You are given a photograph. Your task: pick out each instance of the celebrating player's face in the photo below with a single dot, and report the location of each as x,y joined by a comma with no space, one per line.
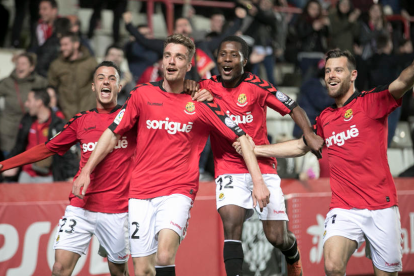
230,62
106,86
338,78
175,62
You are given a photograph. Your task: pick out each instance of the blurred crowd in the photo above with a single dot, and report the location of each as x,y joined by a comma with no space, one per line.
52,78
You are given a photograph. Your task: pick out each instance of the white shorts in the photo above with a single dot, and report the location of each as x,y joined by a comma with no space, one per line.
78,225
381,229
149,216
236,189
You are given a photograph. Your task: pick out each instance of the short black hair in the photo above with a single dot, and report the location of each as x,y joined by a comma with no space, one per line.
244,46
113,46
53,3
62,25
107,63
337,53
41,94
73,37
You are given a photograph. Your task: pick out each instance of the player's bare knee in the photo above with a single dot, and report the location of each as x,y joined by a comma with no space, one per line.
59,270
232,230
164,258
144,271
334,268
278,240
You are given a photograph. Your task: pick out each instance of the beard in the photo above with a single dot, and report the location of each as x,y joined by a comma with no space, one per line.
342,89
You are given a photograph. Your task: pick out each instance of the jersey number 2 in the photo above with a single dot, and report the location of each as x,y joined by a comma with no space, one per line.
136,230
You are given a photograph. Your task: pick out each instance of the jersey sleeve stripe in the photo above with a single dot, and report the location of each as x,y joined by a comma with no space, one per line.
80,114
377,89
253,79
224,118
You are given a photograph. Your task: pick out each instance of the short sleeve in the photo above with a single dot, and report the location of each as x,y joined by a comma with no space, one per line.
317,127
268,95
65,139
128,115
378,102
212,115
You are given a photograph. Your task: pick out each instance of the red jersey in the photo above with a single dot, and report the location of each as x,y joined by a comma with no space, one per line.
38,134
108,189
246,104
173,131
356,139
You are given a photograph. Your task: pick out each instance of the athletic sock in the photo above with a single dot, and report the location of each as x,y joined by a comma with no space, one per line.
233,257
292,254
168,270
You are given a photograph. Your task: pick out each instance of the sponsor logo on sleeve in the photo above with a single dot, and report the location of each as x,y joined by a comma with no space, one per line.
119,117
229,122
348,115
242,100
281,97
190,108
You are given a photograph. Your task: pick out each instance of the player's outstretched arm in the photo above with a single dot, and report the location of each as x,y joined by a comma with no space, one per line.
106,143
260,193
403,83
30,156
314,142
288,149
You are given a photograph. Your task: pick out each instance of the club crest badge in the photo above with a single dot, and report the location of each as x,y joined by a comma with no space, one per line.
190,108
348,115
242,100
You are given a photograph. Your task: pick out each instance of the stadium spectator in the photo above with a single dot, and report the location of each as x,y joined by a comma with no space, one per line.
263,30
48,11
344,26
312,30
36,127
76,29
53,101
116,55
118,7
49,51
15,89
203,61
371,27
313,97
20,10
72,74
139,57
152,73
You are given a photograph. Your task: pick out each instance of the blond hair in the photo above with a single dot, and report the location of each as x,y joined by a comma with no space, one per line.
183,40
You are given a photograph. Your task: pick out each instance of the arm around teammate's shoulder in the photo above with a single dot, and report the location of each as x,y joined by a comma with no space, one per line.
403,83
288,149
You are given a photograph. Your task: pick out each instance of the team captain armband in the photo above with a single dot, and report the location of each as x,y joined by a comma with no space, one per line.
224,118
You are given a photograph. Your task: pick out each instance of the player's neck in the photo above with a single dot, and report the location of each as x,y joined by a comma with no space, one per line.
340,102
43,114
232,83
173,86
105,108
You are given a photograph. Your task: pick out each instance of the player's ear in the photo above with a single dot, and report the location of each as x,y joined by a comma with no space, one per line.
189,66
93,87
354,75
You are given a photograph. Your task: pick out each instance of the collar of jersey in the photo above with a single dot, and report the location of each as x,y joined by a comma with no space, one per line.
117,107
159,84
244,76
353,96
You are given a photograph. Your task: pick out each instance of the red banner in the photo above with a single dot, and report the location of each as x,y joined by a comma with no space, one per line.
29,214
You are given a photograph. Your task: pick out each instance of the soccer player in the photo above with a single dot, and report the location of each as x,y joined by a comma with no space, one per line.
364,203
103,210
172,133
245,98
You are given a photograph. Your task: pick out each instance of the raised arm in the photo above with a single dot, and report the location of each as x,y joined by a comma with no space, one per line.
403,83
155,45
105,145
